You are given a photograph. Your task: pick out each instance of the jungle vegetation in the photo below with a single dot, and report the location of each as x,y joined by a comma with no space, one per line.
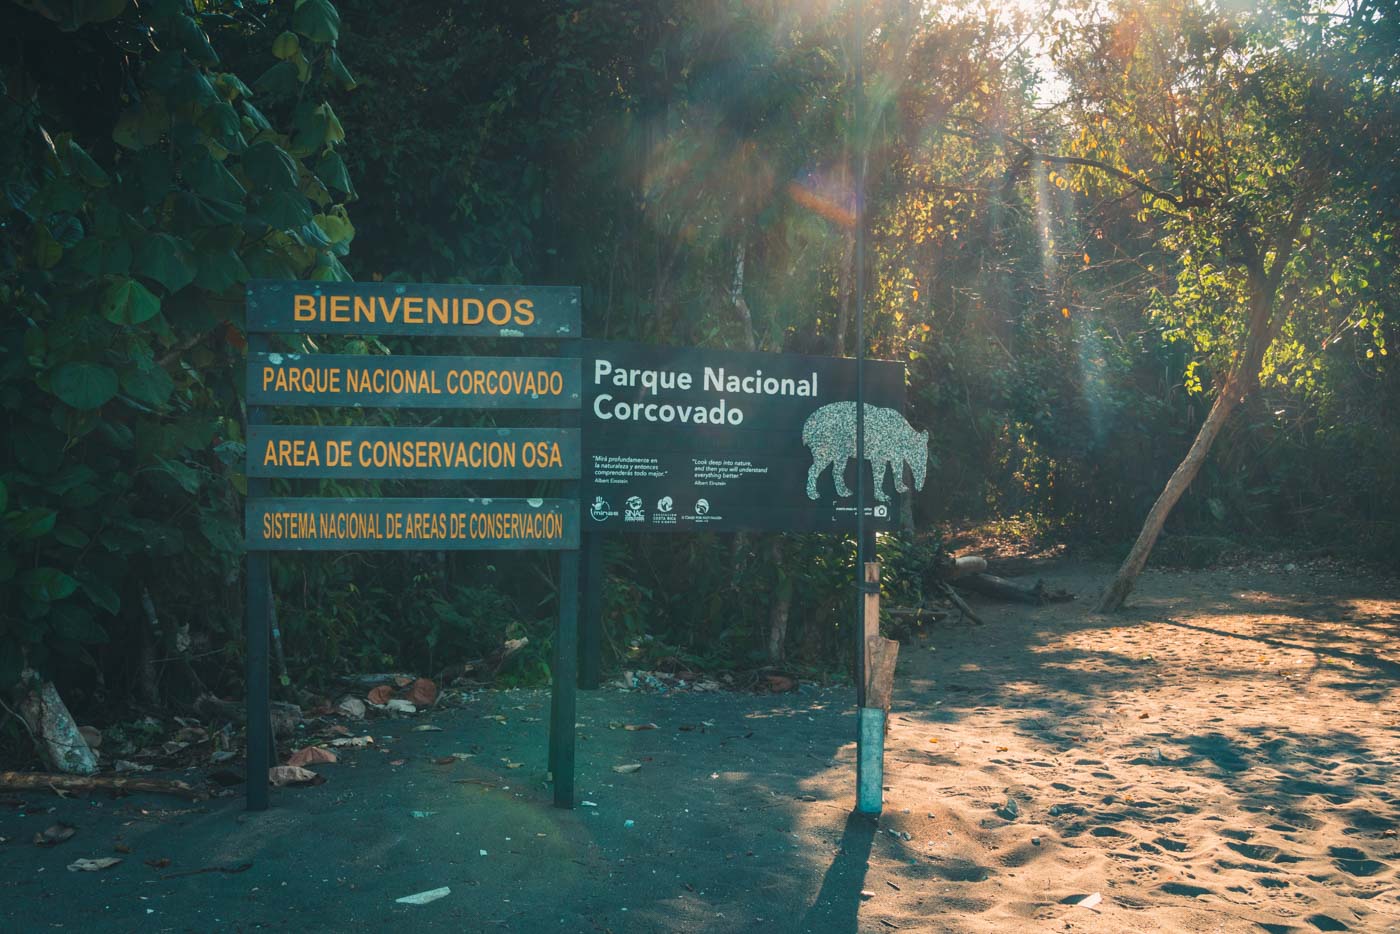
1133,252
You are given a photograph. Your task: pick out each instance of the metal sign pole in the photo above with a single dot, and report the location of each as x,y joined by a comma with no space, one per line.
870,740
590,649
257,611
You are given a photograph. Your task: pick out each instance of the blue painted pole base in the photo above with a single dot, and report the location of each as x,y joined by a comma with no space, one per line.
870,761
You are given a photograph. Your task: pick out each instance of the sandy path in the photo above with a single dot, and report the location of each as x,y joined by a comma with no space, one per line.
1221,759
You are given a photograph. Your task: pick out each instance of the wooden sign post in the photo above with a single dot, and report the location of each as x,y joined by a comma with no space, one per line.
277,377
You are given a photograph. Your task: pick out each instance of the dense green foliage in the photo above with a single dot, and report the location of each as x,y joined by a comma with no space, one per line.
1069,270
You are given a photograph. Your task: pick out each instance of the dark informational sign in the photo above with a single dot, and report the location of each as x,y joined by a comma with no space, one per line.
414,309
328,452
292,453
413,382
680,439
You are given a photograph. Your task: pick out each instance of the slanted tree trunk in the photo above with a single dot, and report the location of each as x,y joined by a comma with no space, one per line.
1181,478
1261,328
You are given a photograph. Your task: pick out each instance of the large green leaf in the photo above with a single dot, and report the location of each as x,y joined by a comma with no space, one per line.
47,584
282,210
317,20
193,40
127,301
30,523
331,170
142,125
77,161
75,623
84,385
279,80
223,126
47,250
71,15
101,595
166,260
149,385
269,167
208,177
219,270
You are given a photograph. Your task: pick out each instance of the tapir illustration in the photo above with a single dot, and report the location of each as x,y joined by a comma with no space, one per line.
890,443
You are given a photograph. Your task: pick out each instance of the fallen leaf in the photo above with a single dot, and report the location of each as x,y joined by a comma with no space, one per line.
514,765
351,707
444,760
281,775
380,695
1143,716
778,684
399,705
92,865
122,848
310,755
423,692
422,898
866,893
55,835
627,769
637,727
356,742
160,863
397,761
427,728
933,739
1001,749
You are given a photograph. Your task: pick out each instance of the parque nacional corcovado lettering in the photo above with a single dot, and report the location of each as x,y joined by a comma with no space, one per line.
385,375
712,379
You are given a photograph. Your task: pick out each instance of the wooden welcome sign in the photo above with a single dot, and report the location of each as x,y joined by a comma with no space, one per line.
285,377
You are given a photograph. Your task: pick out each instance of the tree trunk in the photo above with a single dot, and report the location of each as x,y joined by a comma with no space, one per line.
781,607
1181,478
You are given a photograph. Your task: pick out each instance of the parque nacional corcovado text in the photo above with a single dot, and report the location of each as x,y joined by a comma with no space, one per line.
712,379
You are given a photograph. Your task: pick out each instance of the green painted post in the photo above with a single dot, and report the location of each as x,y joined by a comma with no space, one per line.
563,710
257,611
590,656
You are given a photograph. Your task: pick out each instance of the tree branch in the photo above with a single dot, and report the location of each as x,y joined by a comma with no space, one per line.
1120,174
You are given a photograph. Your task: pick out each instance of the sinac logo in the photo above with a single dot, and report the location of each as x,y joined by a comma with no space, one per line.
702,506
634,504
664,504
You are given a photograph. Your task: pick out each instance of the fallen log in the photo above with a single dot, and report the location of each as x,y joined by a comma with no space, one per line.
950,568
59,783
917,614
961,604
990,585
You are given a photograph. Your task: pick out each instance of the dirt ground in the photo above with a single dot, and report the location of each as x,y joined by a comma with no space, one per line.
1222,757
